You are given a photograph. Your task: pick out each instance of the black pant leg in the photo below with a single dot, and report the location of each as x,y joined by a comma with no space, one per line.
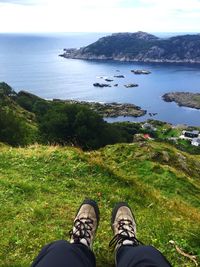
63,254
140,256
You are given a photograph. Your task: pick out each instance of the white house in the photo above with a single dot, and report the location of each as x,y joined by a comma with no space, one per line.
190,135
148,126
195,142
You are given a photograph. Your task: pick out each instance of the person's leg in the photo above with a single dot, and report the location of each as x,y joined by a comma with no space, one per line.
79,251
140,256
129,251
63,254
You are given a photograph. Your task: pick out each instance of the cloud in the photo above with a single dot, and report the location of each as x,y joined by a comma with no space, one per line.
99,16
19,2
183,5
12,1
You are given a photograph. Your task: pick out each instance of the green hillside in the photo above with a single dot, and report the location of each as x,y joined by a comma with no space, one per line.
26,119
8,101
41,188
18,126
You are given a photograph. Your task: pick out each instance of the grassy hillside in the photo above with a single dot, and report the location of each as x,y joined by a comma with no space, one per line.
41,188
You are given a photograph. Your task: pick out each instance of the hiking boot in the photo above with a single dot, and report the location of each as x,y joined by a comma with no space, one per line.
123,226
85,223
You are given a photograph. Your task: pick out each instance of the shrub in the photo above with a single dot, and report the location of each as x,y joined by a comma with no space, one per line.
78,125
13,130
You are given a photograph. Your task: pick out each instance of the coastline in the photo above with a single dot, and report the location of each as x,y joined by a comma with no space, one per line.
111,110
127,59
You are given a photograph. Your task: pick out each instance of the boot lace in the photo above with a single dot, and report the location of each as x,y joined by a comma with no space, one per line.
127,232
82,230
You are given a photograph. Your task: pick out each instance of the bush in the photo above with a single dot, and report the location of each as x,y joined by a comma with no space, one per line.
78,125
13,130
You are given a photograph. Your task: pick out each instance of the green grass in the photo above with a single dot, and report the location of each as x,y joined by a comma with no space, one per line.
41,188
167,131
197,99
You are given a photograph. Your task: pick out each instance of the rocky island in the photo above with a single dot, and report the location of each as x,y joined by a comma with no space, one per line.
191,100
110,109
140,47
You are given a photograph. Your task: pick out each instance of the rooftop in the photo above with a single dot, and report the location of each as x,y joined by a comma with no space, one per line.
196,140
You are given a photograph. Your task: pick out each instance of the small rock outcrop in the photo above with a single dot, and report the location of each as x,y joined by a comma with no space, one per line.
185,99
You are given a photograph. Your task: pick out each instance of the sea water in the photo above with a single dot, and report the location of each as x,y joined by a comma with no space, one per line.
31,62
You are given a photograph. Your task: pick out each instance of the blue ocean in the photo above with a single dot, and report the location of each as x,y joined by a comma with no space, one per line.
31,62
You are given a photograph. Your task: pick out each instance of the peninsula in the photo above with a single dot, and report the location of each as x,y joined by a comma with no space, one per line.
110,109
140,47
185,99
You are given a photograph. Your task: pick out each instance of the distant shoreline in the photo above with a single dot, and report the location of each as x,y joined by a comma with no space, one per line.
140,47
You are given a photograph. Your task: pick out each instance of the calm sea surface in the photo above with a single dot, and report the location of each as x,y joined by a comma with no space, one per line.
31,62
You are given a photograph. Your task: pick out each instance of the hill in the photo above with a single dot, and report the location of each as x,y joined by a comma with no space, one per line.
42,186
141,46
26,119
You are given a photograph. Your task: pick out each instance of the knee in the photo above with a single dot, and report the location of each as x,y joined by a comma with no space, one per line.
149,250
59,244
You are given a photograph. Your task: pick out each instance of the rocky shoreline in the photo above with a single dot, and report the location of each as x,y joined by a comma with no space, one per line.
185,99
78,55
110,109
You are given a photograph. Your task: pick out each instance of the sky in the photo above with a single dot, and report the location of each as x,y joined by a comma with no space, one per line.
99,15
